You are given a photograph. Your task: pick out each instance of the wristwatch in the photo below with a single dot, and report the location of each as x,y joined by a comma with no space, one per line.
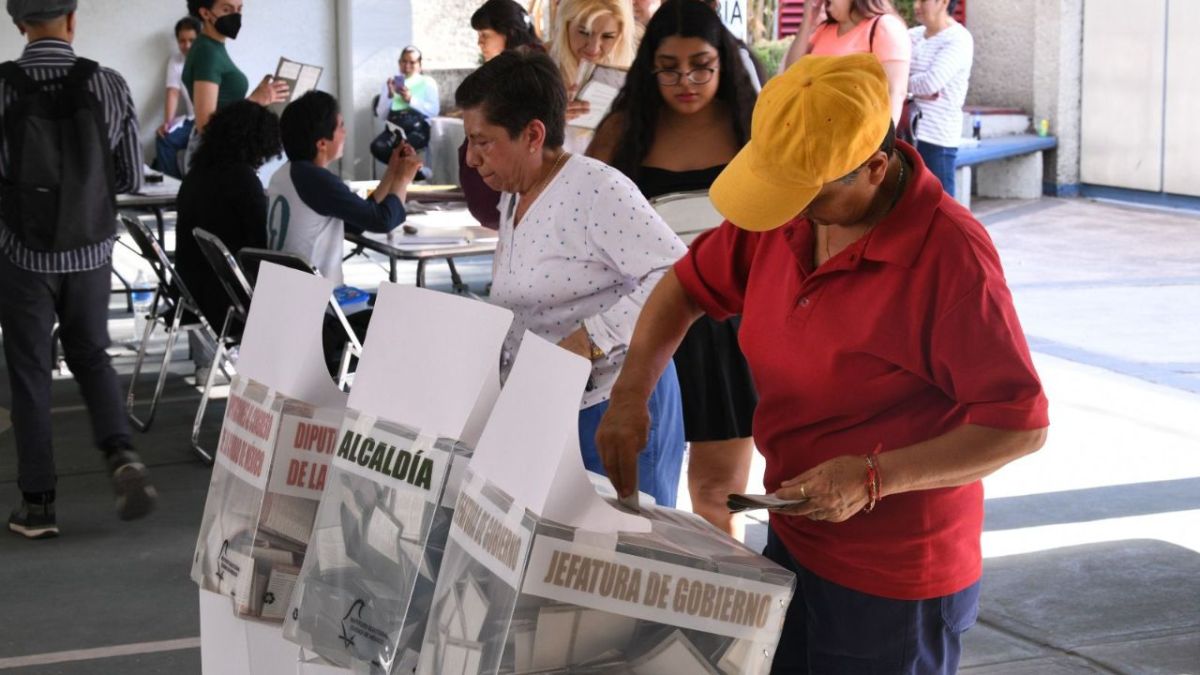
597,353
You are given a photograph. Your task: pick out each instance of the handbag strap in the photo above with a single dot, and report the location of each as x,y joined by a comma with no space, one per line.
871,38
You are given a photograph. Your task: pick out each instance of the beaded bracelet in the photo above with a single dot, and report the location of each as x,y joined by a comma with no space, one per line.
874,478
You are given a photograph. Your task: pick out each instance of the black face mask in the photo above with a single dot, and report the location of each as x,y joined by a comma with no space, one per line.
229,25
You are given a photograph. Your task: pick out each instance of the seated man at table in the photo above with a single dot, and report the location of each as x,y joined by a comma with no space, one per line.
310,207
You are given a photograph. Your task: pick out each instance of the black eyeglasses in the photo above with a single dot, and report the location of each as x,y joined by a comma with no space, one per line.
670,78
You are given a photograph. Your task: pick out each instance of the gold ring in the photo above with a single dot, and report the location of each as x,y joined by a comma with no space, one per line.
804,492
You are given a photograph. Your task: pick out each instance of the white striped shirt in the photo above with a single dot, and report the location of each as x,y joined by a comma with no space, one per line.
941,65
51,59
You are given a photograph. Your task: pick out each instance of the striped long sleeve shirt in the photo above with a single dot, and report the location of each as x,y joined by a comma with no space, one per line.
939,77
51,59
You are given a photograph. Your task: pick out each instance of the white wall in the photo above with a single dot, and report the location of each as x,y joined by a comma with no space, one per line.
135,38
1028,55
372,34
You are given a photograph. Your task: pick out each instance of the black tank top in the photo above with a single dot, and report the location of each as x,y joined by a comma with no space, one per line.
653,181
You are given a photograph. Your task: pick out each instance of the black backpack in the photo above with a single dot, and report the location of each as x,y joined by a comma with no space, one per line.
59,189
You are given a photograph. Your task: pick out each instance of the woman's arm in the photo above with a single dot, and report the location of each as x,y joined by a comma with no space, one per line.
800,44
169,108
837,489
604,144
897,76
204,100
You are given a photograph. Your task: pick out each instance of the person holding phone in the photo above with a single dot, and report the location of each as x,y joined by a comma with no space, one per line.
410,89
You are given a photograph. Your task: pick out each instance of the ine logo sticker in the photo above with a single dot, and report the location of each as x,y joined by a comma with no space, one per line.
346,637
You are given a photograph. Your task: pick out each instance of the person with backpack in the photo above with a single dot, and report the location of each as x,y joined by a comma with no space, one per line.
69,144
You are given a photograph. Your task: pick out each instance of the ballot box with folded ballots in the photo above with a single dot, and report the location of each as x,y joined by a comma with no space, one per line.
542,574
270,468
366,587
424,387
522,594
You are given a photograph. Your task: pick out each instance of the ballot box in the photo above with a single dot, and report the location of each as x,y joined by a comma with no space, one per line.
543,574
523,594
366,588
423,390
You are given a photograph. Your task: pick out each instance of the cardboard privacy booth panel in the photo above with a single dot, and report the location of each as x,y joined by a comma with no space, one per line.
429,373
272,461
540,575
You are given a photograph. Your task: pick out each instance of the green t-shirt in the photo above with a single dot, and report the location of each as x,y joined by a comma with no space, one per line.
418,85
209,62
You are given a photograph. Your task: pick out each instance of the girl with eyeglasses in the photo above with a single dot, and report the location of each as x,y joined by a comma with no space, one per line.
683,114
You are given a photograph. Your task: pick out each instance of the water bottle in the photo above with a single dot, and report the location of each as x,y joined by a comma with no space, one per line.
976,126
143,293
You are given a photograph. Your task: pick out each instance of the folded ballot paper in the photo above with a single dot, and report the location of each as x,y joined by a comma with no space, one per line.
542,574
272,461
427,380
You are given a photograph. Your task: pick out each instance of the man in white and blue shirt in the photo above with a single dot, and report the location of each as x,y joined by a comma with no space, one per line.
310,207
938,78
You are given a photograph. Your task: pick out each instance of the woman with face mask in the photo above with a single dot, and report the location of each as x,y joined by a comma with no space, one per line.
211,78
686,83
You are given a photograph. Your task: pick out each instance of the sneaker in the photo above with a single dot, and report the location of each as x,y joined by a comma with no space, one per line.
131,482
34,521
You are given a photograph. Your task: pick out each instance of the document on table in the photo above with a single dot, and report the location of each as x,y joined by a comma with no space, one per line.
600,91
301,78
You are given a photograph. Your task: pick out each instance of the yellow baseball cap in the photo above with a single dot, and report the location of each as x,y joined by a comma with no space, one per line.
813,124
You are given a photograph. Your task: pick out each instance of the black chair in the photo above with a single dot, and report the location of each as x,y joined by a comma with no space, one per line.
230,275
171,302
253,258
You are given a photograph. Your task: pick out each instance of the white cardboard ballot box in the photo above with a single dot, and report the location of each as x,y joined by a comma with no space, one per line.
277,438
273,454
541,574
270,469
364,592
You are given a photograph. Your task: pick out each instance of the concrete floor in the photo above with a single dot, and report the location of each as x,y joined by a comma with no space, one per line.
1092,546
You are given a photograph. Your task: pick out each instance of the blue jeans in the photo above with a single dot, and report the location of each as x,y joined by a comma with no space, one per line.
833,629
167,149
940,161
661,460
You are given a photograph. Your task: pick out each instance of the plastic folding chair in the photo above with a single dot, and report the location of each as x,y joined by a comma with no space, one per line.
170,303
689,214
253,258
230,275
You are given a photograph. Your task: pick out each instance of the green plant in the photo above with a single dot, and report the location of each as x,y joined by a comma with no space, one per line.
770,53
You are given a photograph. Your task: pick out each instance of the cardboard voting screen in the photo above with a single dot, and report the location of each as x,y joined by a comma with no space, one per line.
430,367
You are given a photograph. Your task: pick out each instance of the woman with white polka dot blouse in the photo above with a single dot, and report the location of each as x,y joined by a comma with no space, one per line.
580,248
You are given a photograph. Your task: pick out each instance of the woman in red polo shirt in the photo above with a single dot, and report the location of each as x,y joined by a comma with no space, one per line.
891,369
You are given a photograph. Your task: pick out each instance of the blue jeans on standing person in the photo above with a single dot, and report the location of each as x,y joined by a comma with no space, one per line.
169,147
833,629
660,462
940,161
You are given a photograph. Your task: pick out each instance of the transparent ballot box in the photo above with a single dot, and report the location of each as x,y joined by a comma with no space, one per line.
270,468
364,594
523,594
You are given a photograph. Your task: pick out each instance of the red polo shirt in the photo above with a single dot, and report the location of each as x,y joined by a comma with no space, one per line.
901,337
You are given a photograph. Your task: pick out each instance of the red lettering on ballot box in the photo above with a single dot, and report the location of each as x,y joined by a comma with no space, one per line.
250,417
242,453
315,437
307,475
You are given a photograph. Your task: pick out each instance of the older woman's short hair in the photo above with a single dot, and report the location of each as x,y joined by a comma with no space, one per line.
516,88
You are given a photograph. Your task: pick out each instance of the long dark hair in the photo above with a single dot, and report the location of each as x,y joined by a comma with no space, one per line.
242,132
508,19
868,9
640,102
